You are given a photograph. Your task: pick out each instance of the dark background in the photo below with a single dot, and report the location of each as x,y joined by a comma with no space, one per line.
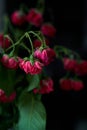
64,109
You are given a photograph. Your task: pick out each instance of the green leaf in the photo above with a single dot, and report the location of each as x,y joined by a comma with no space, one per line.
33,81
32,114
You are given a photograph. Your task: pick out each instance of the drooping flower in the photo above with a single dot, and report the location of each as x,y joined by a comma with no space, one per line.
34,17
10,63
32,68
69,64
46,86
46,56
18,18
48,30
77,85
4,41
65,84
81,68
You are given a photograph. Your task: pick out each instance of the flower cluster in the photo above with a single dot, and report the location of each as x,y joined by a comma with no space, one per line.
24,55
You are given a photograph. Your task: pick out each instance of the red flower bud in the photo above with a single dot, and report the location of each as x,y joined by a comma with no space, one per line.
4,41
46,86
69,84
81,68
18,18
69,64
4,59
48,30
10,63
65,84
77,85
34,17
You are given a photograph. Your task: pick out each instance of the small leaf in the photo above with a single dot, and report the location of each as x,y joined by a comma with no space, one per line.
32,114
33,81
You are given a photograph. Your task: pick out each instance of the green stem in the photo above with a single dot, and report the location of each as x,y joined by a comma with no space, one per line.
35,34
67,51
25,47
11,42
28,36
16,42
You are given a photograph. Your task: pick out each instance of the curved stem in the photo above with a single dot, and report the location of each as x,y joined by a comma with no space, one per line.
68,51
37,36
26,47
16,42
11,42
28,36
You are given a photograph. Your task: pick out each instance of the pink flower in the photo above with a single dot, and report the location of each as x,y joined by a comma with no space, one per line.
21,63
10,63
81,68
34,68
4,59
65,84
4,41
18,18
69,64
46,55
37,42
26,66
34,17
48,30
46,86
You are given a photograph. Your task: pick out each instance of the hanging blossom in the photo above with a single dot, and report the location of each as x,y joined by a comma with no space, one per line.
4,41
34,17
46,56
46,86
31,68
8,62
18,18
79,68
48,30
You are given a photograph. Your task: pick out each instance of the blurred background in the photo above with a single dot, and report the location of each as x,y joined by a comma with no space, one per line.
65,110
